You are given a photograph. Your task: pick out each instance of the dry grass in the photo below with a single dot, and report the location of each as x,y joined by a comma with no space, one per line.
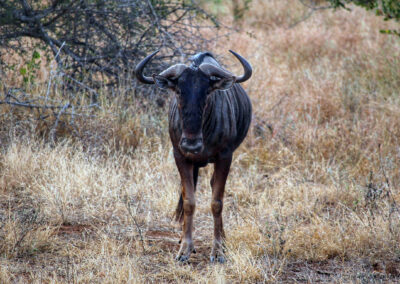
313,192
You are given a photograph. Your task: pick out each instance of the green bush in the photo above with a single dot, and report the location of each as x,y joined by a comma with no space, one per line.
389,9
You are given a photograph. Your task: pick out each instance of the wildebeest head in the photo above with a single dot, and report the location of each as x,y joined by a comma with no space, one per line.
192,85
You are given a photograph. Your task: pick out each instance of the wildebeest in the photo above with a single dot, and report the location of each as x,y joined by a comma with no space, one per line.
209,117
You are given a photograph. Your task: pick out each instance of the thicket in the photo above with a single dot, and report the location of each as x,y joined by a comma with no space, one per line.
88,50
98,42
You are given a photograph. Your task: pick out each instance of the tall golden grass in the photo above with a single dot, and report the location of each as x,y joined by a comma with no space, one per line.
313,194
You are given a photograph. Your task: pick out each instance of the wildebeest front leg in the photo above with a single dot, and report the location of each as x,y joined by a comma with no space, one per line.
189,204
221,171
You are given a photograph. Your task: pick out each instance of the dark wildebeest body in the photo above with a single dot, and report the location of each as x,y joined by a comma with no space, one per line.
208,119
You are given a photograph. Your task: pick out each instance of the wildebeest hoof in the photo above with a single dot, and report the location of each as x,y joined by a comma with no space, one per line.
218,259
217,253
185,251
182,258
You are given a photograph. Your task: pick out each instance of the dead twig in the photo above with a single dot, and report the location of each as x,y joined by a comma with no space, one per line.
28,105
393,204
133,217
54,128
313,7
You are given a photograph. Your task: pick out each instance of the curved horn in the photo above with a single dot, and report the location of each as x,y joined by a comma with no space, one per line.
139,69
246,66
174,71
212,70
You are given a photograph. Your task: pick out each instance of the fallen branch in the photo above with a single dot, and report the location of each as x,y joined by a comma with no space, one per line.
28,105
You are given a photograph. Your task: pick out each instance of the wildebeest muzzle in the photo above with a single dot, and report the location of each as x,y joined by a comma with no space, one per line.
192,144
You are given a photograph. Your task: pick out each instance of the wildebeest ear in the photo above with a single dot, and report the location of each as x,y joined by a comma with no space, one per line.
163,83
222,84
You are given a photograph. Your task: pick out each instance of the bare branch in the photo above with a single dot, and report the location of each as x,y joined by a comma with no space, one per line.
54,128
100,41
313,7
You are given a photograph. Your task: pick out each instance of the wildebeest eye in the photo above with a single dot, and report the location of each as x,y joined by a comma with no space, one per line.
221,84
163,82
